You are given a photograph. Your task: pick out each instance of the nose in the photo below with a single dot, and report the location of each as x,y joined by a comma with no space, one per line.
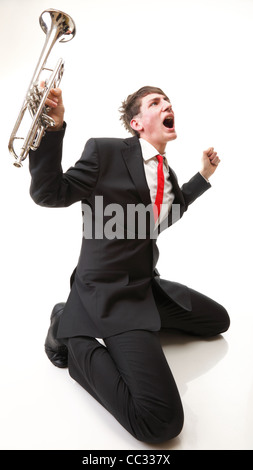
167,106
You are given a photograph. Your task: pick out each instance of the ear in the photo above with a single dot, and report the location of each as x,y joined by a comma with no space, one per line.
136,124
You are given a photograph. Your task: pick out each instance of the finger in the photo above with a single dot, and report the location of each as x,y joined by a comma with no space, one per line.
209,151
56,95
52,99
53,96
52,103
212,155
215,161
56,91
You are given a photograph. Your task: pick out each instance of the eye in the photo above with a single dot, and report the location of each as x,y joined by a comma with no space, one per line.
154,103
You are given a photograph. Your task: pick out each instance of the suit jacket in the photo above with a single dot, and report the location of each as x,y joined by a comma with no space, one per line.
111,289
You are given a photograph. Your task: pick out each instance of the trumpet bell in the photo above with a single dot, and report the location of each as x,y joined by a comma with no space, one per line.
62,21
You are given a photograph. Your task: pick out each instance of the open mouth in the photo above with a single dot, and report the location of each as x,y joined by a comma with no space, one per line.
169,122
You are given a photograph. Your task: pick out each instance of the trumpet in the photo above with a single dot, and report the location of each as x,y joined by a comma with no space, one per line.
61,28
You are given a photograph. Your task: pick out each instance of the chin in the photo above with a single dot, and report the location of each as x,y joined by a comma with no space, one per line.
172,136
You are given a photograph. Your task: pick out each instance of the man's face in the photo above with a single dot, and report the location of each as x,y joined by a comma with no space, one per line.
155,122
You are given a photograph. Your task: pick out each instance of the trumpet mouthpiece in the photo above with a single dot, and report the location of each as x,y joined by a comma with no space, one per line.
17,164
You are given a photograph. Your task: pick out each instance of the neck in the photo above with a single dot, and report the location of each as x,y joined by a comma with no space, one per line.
160,147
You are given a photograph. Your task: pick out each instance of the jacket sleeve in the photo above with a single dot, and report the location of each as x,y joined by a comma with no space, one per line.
194,188
50,187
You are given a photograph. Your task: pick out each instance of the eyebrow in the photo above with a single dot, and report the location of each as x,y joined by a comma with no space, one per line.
157,98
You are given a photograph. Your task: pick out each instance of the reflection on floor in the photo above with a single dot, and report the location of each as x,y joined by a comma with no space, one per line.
43,408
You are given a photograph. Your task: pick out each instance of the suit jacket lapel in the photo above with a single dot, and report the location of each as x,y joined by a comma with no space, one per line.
134,162
179,199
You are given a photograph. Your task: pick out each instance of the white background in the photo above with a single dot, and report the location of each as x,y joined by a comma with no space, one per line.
200,53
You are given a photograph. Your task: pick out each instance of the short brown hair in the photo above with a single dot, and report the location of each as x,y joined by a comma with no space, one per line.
131,106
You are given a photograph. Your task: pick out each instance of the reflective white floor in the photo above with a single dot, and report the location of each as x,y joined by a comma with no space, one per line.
43,408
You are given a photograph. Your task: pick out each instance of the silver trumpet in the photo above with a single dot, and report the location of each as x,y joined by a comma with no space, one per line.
62,29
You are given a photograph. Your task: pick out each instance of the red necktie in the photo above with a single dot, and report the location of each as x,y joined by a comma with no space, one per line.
160,187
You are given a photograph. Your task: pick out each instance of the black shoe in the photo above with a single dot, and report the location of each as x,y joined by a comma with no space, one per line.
55,350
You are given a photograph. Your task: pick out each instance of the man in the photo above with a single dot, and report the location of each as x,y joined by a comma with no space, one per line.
116,292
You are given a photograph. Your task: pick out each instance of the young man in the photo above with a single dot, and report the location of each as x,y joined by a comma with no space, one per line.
116,292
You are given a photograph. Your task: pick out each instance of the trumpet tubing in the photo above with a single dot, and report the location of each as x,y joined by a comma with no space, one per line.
62,29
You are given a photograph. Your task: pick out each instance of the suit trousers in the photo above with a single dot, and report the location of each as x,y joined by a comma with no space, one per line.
129,374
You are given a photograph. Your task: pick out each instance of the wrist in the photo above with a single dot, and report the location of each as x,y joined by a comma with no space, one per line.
206,175
59,127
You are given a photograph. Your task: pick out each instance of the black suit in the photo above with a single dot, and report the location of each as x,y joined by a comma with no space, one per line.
116,288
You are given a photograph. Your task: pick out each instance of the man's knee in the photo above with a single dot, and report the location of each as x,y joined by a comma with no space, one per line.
154,427
225,320
222,322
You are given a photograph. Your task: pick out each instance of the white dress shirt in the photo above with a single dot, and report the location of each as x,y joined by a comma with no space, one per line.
150,166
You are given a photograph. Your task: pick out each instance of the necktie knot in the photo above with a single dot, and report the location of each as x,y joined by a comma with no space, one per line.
159,158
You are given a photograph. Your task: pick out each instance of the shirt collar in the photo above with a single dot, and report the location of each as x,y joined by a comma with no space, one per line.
148,151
